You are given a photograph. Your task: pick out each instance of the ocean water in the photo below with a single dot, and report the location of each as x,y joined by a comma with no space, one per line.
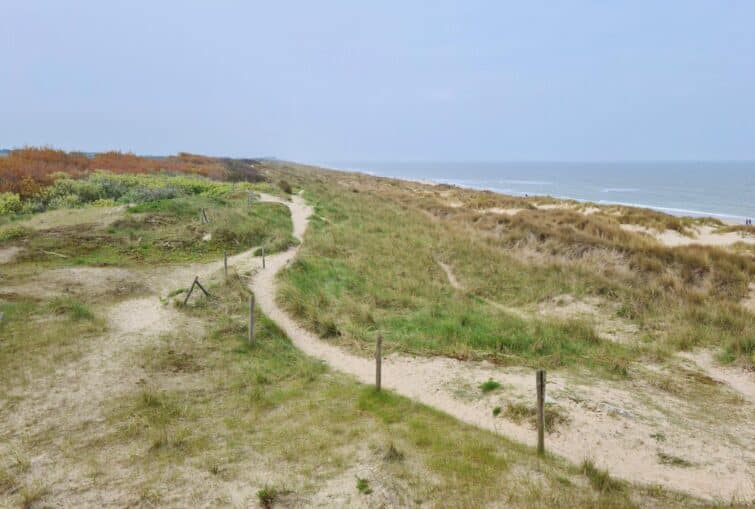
724,190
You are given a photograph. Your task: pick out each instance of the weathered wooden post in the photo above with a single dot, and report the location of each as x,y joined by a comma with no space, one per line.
225,263
378,362
251,319
191,289
263,257
541,411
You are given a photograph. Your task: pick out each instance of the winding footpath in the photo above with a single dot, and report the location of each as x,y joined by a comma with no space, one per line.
618,441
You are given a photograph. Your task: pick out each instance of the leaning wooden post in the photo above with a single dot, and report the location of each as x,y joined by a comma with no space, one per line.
191,289
540,411
225,263
378,361
251,319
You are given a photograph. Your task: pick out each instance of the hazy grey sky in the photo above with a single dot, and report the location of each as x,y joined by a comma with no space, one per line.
322,80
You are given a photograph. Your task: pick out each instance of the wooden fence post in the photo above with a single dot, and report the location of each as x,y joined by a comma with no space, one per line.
251,319
225,263
263,257
541,411
378,361
191,289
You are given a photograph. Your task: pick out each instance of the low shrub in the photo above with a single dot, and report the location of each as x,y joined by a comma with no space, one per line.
10,203
12,232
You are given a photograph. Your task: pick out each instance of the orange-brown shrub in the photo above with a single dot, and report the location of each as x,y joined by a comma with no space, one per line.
25,171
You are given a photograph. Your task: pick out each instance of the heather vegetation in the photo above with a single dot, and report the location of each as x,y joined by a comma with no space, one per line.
26,171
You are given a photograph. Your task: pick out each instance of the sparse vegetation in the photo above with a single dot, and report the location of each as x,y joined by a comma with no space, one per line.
670,459
519,412
165,228
599,479
267,497
363,486
285,186
489,385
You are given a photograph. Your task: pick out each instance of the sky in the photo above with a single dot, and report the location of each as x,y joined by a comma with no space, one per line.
383,81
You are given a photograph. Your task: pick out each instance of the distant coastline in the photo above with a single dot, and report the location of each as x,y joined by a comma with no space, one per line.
537,179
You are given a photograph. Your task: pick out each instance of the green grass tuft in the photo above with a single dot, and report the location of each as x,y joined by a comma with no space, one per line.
489,385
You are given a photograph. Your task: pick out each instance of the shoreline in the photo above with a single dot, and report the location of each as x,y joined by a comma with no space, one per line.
727,219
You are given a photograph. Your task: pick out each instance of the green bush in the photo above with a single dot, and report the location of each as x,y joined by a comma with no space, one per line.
12,232
104,202
10,203
66,201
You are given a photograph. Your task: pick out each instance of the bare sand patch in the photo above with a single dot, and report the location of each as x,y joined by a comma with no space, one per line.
81,281
600,313
503,212
99,216
701,235
71,399
586,210
7,254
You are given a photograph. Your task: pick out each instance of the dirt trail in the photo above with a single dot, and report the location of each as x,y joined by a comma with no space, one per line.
614,424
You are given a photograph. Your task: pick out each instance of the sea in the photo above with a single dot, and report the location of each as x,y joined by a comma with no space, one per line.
724,190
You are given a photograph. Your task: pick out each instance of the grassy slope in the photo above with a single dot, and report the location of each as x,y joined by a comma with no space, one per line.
369,266
217,414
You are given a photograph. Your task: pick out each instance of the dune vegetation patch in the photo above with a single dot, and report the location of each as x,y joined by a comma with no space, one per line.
165,230
56,331
370,264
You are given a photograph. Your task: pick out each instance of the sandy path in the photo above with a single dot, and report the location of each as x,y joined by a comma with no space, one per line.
612,424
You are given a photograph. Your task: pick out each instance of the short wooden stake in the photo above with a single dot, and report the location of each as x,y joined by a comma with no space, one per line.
541,411
191,289
378,362
251,319
225,263
207,294
263,257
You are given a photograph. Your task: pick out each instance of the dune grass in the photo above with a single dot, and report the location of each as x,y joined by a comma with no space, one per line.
370,265
270,406
35,335
163,231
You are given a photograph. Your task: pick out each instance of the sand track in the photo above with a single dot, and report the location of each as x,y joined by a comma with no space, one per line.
613,424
